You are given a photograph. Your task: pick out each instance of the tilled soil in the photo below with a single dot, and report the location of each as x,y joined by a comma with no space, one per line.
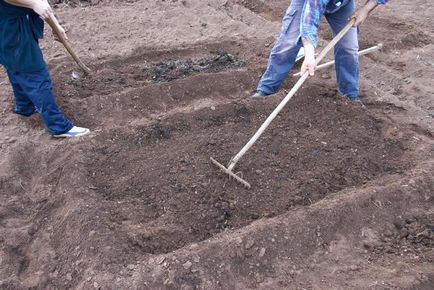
172,187
341,197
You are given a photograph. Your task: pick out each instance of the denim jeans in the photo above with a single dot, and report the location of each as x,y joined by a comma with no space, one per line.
284,52
33,92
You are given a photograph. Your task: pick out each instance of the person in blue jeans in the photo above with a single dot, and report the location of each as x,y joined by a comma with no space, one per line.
300,28
21,26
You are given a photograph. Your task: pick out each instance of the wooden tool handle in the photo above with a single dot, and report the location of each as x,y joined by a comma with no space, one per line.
282,104
330,63
55,26
335,40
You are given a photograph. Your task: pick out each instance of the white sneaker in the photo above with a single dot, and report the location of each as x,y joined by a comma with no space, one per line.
74,132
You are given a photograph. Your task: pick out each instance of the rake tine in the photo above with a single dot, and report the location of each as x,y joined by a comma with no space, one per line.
230,173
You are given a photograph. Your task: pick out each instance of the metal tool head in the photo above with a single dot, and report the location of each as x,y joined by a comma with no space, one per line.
86,70
76,75
230,173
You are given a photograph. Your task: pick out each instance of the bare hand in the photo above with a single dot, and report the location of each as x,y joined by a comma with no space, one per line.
42,8
309,63
360,16
62,31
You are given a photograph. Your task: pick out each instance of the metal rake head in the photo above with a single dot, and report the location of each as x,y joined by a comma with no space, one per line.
230,173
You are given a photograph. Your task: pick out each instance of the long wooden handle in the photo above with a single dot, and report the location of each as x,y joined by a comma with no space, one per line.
330,63
335,40
54,25
288,97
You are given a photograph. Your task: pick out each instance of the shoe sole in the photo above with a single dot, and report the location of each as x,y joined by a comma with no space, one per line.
260,97
72,136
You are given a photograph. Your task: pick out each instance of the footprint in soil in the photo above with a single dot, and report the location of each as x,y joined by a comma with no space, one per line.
154,132
160,131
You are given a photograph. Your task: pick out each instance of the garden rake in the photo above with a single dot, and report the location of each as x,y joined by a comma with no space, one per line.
303,78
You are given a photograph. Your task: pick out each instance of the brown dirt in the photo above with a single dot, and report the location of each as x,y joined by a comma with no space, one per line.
341,198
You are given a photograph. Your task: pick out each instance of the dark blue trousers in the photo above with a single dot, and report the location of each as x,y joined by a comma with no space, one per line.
284,52
33,92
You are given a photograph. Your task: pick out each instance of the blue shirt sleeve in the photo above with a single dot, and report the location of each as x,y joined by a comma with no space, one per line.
313,10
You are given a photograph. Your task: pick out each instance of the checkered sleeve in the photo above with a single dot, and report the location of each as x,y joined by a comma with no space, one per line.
312,12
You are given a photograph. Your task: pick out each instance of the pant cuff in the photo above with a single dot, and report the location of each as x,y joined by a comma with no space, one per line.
351,97
25,114
63,131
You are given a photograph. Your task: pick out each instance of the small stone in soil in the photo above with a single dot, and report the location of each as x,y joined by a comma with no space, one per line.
249,244
255,216
187,265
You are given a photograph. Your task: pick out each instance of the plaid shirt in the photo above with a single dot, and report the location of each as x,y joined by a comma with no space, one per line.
313,11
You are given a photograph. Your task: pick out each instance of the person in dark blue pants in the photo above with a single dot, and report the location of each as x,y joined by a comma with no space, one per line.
21,26
300,28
